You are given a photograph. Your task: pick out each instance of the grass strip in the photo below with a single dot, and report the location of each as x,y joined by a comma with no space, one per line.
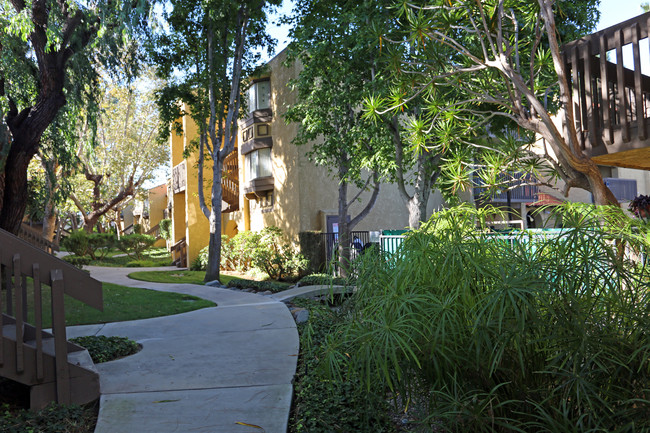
177,277
122,303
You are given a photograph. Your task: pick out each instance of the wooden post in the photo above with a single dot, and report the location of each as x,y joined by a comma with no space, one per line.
606,106
60,340
620,88
38,320
20,320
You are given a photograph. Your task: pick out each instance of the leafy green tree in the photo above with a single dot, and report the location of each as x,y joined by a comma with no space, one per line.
337,53
505,58
213,44
47,54
126,153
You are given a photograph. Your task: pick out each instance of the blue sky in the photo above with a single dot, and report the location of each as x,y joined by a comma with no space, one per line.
614,11
611,12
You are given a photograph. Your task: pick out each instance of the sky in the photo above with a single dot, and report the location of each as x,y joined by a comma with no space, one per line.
614,11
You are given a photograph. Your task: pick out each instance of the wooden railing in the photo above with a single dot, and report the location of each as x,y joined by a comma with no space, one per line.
24,267
230,182
36,238
521,187
154,231
179,253
611,102
179,179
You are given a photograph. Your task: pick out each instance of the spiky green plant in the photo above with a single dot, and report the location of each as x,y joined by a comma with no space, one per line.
503,335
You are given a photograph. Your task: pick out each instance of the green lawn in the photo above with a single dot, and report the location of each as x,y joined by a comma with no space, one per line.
183,277
151,257
123,303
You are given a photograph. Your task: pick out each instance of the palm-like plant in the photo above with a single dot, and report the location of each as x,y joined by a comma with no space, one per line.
539,334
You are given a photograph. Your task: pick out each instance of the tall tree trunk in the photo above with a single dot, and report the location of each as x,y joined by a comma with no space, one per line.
15,188
344,227
49,217
345,223
214,249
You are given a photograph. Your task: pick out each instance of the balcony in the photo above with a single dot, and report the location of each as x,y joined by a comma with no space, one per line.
518,185
611,94
179,179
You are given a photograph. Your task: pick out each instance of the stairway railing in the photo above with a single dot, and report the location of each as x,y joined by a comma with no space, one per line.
21,264
36,238
179,253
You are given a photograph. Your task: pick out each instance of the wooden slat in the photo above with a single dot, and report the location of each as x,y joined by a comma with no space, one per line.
589,91
77,283
24,296
620,90
20,320
60,339
9,288
3,270
575,84
638,85
38,320
608,132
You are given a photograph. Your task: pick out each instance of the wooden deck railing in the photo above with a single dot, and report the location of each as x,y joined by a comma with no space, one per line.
154,231
230,182
23,266
36,238
179,253
611,99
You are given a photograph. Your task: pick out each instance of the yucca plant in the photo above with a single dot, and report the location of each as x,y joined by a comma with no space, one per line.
539,334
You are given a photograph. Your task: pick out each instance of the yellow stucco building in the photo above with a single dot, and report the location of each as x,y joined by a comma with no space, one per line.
271,182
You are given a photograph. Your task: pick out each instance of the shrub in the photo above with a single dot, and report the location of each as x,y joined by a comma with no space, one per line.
243,244
135,244
104,349
99,244
137,229
259,286
78,261
77,242
503,336
166,228
322,280
277,259
200,263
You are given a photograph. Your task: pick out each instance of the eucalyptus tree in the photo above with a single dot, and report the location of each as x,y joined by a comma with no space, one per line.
505,56
337,51
47,50
204,49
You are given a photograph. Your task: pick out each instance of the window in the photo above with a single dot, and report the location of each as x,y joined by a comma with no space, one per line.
258,164
259,96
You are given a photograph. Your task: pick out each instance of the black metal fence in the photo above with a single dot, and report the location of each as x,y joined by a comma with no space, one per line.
330,241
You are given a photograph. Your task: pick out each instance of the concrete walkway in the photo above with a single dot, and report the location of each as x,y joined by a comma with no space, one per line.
212,370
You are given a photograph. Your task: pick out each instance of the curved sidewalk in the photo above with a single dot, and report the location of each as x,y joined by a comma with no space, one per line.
226,369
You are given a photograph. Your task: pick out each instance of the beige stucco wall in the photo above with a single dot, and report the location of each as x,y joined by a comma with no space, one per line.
157,203
305,193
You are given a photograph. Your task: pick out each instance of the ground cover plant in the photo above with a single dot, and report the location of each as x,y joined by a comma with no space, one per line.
151,258
321,404
495,336
103,349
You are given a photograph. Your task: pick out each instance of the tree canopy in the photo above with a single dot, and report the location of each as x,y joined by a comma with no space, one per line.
505,58
48,54
204,49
